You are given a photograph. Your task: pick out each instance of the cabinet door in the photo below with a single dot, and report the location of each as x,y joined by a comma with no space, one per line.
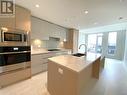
36,60
37,69
7,22
35,28
57,31
54,30
13,77
23,19
38,29
36,64
63,34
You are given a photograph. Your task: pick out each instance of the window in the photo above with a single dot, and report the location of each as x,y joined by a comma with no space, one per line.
112,37
92,42
99,43
95,43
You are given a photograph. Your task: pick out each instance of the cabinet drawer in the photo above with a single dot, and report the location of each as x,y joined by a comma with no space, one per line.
45,60
13,77
36,60
61,53
47,55
44,68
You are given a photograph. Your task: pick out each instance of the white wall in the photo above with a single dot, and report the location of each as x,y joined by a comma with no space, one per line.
114,27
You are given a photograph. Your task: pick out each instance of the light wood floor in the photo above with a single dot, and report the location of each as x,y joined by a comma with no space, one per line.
113,81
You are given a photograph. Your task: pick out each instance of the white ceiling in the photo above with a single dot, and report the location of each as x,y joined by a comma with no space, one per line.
71,13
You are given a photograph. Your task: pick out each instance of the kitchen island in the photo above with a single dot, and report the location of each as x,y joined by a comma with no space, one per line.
68,75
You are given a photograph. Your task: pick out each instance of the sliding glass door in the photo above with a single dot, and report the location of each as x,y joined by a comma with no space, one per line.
112,40
95,43
109,44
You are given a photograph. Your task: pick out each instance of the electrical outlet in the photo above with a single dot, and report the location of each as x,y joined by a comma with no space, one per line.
60,71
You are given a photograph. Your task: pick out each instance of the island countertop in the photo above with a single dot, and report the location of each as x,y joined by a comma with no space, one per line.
74,63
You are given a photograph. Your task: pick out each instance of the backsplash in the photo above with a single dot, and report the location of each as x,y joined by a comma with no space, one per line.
48,44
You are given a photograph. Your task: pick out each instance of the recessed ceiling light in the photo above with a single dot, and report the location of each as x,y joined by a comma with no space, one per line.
95,23
86,12
37,6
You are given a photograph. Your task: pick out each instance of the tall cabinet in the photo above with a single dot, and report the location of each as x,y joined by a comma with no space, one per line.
7,22
21,19
72,40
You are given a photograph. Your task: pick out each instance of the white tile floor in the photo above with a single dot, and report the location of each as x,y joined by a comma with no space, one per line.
113,81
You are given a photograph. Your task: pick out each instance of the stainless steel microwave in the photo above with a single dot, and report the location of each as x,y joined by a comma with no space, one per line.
9,35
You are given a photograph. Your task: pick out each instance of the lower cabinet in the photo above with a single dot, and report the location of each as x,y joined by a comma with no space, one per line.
39,62
14,76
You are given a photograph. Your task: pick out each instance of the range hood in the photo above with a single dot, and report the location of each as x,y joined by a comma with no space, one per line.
54,39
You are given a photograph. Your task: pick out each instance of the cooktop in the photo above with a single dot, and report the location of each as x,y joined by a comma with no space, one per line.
53,49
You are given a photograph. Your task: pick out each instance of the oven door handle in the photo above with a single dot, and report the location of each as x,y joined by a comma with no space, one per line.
15,52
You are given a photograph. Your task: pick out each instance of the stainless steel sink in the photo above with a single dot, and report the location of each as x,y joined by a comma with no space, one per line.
79,54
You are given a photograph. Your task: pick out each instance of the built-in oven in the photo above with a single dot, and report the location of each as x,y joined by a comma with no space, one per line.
14,58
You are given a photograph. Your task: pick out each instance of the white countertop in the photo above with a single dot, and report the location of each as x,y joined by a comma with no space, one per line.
39,51
75,63
45,51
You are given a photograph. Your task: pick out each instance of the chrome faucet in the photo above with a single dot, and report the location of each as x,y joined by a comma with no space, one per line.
85,47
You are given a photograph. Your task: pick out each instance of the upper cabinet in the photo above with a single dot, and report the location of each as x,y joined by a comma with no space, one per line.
58,32
63,34
43,30
7,22
39,29
72,40
22,19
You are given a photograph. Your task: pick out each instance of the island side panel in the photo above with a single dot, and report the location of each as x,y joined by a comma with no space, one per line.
64,83
84,78
96,68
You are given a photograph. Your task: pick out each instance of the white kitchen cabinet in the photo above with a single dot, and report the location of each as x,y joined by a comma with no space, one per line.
38,29
36,69
58,32
44,68
55,31
63,34
39,61
43,30
36,60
